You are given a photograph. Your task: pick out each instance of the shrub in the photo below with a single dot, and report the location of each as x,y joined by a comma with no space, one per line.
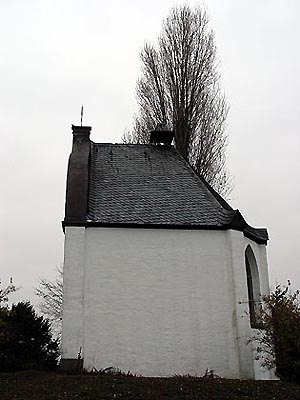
278,340
26,341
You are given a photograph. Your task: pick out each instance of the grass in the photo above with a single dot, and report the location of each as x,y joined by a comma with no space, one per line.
50,386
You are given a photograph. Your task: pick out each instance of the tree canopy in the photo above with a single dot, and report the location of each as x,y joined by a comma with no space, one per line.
180,87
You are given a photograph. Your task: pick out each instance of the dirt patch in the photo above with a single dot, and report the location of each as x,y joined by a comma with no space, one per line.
42,386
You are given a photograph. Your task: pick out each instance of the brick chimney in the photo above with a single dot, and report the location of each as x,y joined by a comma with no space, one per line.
162,134
78,175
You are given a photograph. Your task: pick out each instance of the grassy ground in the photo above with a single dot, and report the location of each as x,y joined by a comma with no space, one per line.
42,386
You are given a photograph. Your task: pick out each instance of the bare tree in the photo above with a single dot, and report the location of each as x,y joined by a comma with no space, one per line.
51,294
179,86
6,291
4,310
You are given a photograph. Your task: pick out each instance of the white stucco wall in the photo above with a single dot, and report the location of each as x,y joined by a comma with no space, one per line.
159,302
249,367
73,298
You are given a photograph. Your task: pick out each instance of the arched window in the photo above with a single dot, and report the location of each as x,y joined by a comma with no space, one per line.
253,287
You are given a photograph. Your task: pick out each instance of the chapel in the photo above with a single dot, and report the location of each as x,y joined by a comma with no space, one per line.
161,275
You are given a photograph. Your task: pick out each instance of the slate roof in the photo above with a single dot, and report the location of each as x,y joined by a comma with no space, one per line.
147,185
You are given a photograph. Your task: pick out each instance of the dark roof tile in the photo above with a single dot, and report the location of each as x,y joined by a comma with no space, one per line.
154,185
149,184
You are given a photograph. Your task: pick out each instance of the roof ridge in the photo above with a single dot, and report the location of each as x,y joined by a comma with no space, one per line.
124,144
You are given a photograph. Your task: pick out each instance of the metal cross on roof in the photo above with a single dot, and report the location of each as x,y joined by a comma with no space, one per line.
81,115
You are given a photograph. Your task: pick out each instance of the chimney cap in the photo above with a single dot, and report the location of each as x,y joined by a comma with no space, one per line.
81,130
162,134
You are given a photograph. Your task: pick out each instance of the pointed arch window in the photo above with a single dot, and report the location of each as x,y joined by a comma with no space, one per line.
253,285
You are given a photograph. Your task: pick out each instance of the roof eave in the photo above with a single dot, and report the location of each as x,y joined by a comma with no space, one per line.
95,224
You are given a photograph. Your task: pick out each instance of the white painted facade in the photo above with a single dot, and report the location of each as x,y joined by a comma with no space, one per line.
159,302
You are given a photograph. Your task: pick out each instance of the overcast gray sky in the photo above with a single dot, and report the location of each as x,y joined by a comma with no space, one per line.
59,54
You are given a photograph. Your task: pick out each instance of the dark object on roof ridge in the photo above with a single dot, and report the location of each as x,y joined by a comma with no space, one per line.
162,134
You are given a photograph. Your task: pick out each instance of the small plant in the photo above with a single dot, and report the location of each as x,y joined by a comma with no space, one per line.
184,376
210,374
109,371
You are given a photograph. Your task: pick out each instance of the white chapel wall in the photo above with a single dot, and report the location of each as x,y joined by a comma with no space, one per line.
249,367
158,302
73,303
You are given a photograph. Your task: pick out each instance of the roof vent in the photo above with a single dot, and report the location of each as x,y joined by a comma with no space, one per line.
162,134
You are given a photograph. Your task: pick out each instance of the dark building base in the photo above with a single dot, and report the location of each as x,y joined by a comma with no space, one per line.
71,365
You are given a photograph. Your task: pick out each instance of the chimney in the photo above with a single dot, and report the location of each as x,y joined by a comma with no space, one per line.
78,175
162,134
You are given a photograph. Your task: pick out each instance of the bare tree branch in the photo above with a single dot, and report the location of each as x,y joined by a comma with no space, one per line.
51,294
6,291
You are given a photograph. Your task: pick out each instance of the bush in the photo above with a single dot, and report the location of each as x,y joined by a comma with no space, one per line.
25,340
279,337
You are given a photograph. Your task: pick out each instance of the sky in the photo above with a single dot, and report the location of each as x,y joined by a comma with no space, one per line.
59,54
